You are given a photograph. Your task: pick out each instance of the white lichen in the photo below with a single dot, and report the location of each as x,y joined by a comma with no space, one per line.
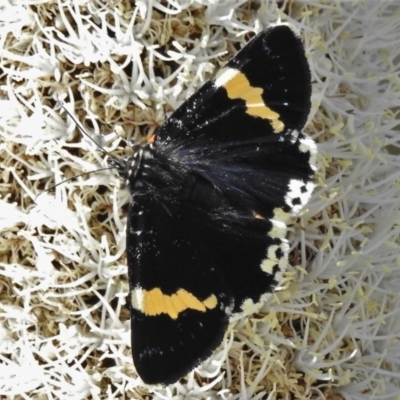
333,327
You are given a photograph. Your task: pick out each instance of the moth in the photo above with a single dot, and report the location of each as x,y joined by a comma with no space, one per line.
211,193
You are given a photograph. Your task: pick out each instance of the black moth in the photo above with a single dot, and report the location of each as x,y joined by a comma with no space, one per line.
210,198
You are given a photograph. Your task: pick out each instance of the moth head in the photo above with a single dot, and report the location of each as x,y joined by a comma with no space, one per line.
130,169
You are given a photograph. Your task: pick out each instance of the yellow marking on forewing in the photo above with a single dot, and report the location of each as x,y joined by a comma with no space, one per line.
151,138
155,302
238,86
257,216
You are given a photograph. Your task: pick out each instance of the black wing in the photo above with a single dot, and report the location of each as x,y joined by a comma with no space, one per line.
206,231
273,67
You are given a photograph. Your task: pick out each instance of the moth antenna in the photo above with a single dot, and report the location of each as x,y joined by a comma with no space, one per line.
70,179
115,163
82,129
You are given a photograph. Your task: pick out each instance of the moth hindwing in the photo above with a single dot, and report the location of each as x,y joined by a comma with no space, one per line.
211,194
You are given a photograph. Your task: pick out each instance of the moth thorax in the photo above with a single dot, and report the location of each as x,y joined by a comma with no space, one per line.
135,165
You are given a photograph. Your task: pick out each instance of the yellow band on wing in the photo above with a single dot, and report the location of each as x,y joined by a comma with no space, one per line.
154,302
238,86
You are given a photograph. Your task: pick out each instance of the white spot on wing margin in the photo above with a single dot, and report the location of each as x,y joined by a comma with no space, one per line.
295,192
224,76
137,299
278,221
